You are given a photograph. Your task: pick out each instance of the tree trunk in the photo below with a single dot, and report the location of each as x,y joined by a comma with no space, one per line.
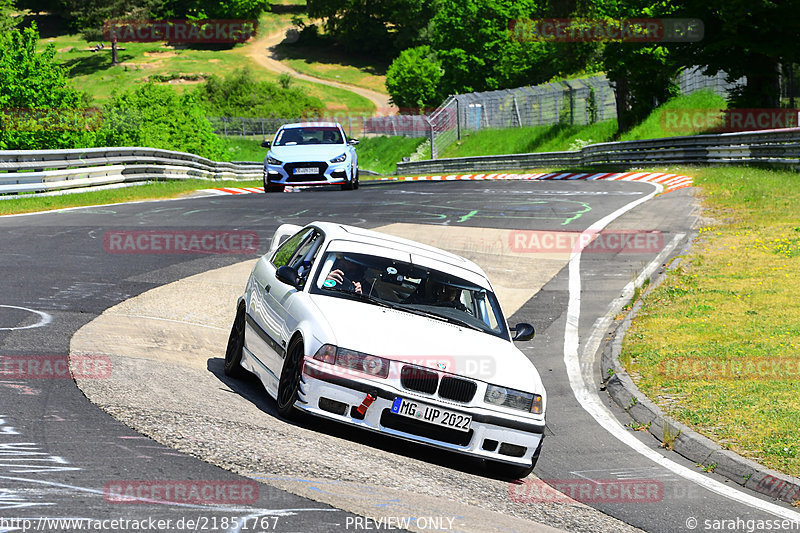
622,99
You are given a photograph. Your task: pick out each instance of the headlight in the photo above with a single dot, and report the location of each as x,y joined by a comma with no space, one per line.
272,161
524,401
340,159
353,360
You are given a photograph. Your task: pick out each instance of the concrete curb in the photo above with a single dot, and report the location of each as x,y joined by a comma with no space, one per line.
685,441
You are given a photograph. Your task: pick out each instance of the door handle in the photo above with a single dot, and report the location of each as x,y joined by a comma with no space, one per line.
267,288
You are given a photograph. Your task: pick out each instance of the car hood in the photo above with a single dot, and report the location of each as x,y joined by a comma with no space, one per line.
308,152
427,342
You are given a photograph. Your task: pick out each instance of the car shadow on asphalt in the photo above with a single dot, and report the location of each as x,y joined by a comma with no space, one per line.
251,389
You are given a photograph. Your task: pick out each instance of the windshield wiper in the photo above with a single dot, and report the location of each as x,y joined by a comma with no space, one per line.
359,296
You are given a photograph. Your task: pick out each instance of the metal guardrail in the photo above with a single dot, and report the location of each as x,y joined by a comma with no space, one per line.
775,147
48,170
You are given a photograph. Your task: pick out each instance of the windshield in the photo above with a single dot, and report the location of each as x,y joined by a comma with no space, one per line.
308,135
412,288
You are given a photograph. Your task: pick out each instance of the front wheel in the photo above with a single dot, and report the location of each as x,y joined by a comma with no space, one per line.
233,354
273,188
289,383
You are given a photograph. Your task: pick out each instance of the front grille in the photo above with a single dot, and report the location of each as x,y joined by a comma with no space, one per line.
456,389
418,379
423,429
320,175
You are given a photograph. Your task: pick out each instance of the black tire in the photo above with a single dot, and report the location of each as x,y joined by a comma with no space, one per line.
273,188
289,383
355,183
233,354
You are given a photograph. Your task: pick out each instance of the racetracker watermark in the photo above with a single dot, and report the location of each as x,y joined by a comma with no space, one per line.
607,242
405,523
587,491
728,120
206,492
576,30
37,119
420,368
180,242
712,369
209,31
55,367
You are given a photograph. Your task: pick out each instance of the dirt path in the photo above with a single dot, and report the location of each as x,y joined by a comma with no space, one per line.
262,51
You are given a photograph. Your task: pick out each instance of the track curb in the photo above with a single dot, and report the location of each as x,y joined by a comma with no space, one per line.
685,441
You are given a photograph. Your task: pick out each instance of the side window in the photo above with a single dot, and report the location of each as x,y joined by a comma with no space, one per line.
284,254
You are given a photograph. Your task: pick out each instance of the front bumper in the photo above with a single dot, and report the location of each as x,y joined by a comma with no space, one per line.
492,435
326,173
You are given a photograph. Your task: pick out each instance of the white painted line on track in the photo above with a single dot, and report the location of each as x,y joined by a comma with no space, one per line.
44,318
590,401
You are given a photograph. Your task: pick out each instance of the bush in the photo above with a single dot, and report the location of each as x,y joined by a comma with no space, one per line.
156,116
241,95
413,77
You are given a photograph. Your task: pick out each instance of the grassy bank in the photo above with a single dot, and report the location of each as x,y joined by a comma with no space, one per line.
559,137
717,345
183,67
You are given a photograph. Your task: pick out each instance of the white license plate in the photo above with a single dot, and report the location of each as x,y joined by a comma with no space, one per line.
312,170
431,414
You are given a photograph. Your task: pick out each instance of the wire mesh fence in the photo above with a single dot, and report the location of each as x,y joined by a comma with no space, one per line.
574,102
692,79
354,125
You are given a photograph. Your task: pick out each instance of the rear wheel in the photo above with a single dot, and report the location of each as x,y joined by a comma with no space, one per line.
289,383
233,354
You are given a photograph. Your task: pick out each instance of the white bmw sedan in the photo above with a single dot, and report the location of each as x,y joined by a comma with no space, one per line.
310,153
392,336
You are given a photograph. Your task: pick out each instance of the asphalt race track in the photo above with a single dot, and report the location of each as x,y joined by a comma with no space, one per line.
60,454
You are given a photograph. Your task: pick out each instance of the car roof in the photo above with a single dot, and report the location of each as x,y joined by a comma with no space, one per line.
353,233
306,124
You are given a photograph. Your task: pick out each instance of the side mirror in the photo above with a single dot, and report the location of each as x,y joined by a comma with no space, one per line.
352,142
522,332
287,275
266,144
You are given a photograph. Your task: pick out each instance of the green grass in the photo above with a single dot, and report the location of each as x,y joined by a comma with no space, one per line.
380,154
552,138
665,121
732,300
326,62
24,203
675,118
93,73
242,149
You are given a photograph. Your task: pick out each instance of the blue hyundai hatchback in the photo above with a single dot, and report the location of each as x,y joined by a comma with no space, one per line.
310,153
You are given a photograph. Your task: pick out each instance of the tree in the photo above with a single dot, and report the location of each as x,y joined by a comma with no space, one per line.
90,16
413,78
378,27
40,110
749,38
